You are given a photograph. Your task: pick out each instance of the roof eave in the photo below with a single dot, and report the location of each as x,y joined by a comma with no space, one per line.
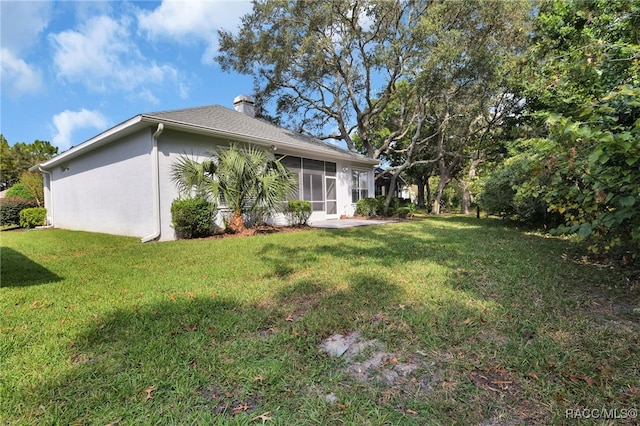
97,141
140,121
265,142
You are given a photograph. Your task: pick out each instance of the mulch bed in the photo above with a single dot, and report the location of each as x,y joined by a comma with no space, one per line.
259,230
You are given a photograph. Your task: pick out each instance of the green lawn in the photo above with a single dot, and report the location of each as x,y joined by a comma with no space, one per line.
501,327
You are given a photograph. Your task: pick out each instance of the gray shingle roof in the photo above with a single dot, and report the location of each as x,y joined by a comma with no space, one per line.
221,119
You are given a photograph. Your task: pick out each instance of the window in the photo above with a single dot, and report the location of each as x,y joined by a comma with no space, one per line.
312,171
316,182
359,185
294,165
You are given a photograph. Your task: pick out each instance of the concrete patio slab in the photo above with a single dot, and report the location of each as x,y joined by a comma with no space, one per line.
348,223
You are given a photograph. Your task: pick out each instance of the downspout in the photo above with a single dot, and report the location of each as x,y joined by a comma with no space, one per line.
43,171
156,185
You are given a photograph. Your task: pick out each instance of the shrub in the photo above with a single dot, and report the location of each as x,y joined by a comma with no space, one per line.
18,190
369,207
32,183
193,217
512,191
32,217
11,207
394,205
404,212
298,212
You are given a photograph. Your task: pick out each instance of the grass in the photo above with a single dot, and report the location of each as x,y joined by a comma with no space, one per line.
501,326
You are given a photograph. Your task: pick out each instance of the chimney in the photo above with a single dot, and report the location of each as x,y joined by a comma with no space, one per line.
244,104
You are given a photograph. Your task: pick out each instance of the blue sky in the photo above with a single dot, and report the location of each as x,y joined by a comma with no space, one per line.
73,69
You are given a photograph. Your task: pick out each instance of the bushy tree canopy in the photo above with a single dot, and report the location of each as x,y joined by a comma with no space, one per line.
386,77
583,122
18,158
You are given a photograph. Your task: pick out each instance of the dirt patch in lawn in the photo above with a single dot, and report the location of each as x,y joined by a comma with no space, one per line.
259,230
398,377
368,362
230,401
497,380
621,314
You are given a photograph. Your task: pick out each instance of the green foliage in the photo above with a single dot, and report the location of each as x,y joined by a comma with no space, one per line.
507,192
29,186
395,205
417,55
450,198
369,207
17,159
583,96
594,180
10,209
298,212
404,212
193,217
297,54
7,164
20,191
246,178
32,217
32,182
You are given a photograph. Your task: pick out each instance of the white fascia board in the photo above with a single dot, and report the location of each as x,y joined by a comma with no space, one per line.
141,121
265,142
97,141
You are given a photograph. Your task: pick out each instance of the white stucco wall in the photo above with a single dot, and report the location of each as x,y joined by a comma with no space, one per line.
172,145
106,190
349,208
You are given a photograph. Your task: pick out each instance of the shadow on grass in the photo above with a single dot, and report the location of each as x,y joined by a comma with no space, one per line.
207,360
201,359
19,271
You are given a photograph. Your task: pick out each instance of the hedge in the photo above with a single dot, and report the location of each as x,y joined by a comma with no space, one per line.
11,207
298,212
369,207
32,217
193,217
18,190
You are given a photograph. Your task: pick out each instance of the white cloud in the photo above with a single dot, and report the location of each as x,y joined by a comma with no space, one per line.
186,21
17,76
22,22
102,56
20,26
68,121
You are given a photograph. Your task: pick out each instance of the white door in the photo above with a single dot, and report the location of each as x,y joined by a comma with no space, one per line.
331,197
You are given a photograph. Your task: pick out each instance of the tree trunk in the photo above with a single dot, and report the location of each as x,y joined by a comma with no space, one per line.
466,185
236,224
421,185
428,190
444,180
392,184
465,203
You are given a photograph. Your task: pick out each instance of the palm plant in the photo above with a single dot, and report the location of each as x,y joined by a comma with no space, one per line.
247,179
194,179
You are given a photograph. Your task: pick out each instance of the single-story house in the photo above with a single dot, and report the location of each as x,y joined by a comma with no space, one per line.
118,182
383,185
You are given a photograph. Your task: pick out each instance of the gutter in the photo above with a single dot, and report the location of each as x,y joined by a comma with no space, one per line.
256,140
130,126
41,170
156,185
